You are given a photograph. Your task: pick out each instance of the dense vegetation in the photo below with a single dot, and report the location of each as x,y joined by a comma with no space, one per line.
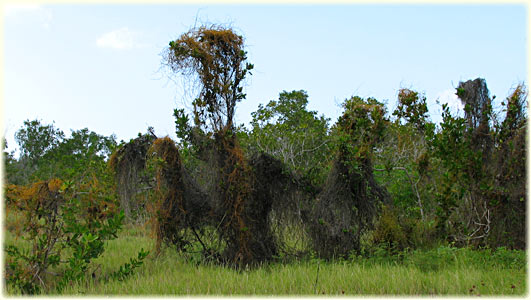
375,188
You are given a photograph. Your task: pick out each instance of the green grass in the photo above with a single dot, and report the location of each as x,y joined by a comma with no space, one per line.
171,275
440,271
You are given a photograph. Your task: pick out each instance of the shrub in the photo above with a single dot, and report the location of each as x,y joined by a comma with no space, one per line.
388,231
66,227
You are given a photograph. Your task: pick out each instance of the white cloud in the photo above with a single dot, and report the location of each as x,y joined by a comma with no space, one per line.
451,99
122,38
33,11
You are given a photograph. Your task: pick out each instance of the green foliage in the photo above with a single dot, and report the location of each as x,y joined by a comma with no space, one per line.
472,160
46,153
462,176
17,275
412,108
403,165
36,140
85,152
288,131
86,243
458,172
11,171
67,226
509,259
361,127
389,232
128,269
182,127
455,177
394,233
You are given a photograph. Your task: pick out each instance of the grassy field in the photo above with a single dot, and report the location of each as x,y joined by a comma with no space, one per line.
440,271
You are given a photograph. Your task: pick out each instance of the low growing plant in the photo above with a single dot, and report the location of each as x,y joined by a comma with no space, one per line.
128,269
66,227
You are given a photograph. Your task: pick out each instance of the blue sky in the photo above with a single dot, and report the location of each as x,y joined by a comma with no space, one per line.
99,66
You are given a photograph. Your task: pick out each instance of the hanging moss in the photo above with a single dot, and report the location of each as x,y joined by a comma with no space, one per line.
349,202
179,204
129,164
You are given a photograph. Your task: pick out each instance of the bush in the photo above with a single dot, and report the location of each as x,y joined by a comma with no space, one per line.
66,227
398,232
389,232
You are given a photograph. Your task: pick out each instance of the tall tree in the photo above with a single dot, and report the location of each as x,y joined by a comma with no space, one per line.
287,130
46,153
214,58
36,139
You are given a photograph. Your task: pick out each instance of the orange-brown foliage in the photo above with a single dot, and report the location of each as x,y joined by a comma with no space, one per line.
169,192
